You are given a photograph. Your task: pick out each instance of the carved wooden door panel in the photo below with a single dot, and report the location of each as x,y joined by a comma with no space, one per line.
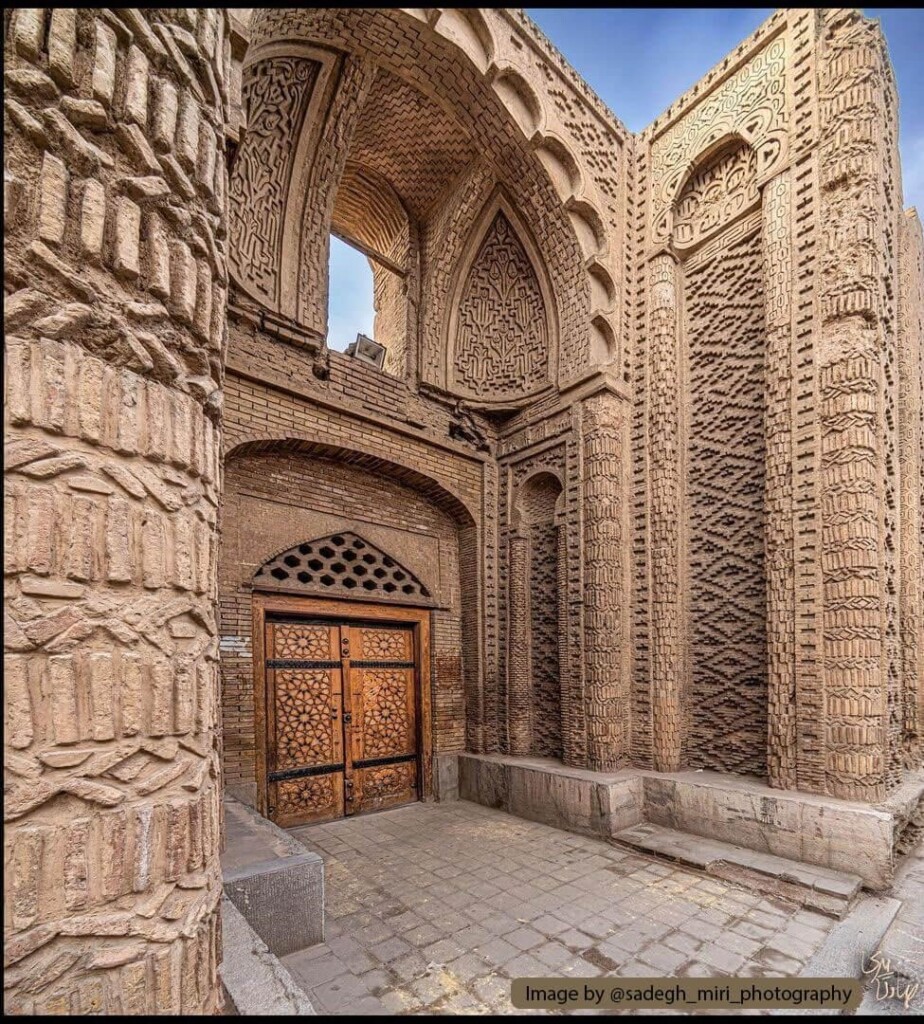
304,750
382,758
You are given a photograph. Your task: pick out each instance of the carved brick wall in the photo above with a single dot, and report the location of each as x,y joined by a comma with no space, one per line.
115,279
724,510
716,195
424,114
546,681
779,484
534,665
606,592
663,441
911,455
811,92
500,348
515,698
755,224
277,500
857,416
275,98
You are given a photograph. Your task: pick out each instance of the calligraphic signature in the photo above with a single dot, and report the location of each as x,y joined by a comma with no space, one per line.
887,986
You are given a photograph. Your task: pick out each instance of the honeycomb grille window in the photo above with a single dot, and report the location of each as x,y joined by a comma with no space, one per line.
343,563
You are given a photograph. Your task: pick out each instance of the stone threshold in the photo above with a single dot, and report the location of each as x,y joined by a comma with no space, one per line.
263,869
817,888
255,981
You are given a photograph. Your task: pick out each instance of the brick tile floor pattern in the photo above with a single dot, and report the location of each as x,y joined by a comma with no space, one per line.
434,908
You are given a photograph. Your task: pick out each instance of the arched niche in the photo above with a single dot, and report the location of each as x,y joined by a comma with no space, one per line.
468,30
501,332
536,567
417,106
716,188
716,234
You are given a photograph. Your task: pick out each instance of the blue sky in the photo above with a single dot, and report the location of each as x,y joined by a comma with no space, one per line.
639,60
350,310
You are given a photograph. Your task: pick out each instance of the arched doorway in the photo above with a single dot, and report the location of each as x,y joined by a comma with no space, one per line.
342,704
374,543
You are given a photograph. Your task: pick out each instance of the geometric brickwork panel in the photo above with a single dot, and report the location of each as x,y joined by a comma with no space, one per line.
725,492
501,343
275,97
342,565
544,663
719,192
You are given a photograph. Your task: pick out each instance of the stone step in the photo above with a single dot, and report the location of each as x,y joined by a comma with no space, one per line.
817,888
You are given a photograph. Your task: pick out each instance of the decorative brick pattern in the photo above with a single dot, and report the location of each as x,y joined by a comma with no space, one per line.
115,279
342,564
911,454
779,485
501,345
646,445
725,497
855,379
667,668
606,686
836,646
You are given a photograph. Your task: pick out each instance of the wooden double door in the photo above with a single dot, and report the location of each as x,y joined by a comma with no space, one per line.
342,710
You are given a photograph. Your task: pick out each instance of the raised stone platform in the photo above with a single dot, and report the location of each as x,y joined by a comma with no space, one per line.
255,982
273,881
830,833
540,789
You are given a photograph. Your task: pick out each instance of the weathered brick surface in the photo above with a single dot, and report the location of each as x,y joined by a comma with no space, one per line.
768,634
737,585
703,341
111,773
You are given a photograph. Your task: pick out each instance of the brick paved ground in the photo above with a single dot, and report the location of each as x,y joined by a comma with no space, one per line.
435,907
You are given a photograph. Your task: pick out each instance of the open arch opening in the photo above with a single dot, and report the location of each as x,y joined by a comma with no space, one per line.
351,295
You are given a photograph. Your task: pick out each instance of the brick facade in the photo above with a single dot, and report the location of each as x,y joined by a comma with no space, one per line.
647,438
275,501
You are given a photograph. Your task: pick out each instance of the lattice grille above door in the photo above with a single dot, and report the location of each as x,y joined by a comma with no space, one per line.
342,564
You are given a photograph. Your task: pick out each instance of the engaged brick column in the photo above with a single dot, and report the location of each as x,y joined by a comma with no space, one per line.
571,721
606,599
782,738
115,216
664,444
911,433
857,416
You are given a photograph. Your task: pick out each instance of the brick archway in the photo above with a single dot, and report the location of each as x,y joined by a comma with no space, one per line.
282,499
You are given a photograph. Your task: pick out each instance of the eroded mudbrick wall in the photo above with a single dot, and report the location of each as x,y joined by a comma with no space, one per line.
647,442
115,183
